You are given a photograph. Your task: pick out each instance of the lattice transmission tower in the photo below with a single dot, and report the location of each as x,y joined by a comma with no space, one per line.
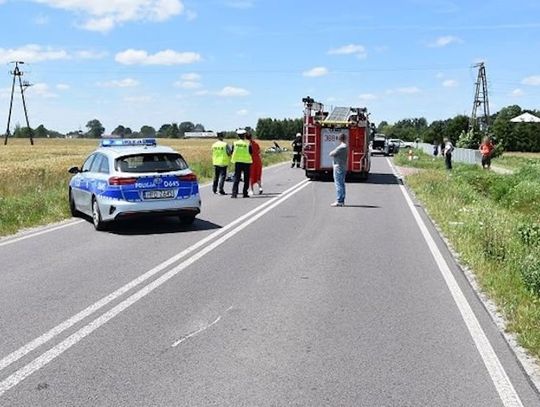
481,102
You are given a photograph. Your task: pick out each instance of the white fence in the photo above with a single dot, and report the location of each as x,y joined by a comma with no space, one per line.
462,155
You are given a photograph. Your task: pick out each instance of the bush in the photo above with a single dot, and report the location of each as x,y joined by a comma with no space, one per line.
525,197
529,233
530,273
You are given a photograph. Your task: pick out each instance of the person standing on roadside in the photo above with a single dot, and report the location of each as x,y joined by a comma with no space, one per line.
241,158
486,149
297,150
255,171
221,152
435,148
339,155
447,153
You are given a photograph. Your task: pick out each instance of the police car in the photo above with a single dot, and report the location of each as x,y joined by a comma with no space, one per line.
133,177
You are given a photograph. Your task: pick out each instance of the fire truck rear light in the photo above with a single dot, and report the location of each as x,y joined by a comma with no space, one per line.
122,180
188,178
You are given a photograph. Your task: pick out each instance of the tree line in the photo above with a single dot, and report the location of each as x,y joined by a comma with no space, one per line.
509,136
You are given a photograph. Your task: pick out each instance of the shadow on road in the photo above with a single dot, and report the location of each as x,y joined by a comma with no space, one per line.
158,226
382,179
362,206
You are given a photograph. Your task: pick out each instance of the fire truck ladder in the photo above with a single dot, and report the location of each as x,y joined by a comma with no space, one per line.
310,141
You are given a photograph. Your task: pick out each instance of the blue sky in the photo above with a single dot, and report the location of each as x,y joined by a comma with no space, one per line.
225,63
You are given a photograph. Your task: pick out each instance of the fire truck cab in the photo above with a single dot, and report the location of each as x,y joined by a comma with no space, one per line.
321,131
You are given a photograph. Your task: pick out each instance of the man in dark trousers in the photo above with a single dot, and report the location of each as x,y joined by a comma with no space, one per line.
297,149
221,152
241,158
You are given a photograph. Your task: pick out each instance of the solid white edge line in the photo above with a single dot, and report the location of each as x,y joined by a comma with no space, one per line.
46,229
73,339
68,323
39,233
503,385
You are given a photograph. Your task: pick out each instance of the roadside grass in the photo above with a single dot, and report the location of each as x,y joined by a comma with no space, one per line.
34,180
493,223
513,160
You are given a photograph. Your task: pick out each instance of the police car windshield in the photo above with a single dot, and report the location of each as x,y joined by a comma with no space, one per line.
151,162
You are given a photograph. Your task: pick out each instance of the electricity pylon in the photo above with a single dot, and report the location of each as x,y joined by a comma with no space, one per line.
481,99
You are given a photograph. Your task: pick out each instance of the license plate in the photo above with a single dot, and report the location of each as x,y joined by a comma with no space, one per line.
159,194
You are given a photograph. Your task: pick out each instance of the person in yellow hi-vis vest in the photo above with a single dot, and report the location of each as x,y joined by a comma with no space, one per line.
241,158
221,152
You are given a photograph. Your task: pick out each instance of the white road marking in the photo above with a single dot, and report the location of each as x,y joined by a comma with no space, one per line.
197,332
506,390
39,233
73,339
68,323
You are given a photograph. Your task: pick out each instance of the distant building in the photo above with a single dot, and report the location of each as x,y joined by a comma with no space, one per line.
200,134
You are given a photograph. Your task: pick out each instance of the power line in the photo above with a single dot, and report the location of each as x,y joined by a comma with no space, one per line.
17,73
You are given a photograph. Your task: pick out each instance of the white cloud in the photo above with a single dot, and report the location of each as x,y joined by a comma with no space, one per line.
517,93
531,80
202,92
450,83
62,86
188,84
439,75
43,90
32,53
445,41
350,49
367,96
104,15
195,77
242,112
166,57
120,83
316,72
231,91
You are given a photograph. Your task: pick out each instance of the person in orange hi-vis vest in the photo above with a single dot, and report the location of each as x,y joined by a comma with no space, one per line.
255,172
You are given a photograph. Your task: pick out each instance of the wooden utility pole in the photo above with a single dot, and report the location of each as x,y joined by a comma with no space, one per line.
17,73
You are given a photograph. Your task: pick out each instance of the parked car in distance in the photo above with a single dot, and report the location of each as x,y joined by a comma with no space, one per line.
381,145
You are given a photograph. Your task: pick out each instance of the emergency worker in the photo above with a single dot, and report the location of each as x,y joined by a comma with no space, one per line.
241,158
221,152
297,149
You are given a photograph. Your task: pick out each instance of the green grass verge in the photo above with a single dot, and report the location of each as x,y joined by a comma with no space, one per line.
492,221
39,196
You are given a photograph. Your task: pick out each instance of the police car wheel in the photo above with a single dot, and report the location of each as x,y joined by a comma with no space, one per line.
72,208
187,220
96,216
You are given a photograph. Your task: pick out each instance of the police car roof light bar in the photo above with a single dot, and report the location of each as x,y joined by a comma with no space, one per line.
126,142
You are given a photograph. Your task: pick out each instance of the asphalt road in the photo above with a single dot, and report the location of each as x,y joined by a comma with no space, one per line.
295,304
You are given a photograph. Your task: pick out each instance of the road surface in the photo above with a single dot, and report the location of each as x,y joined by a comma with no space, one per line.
276,300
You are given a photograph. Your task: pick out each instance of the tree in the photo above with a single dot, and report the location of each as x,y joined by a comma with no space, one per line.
41,132
148,131
186,127
164,131
95,129
119,131
198,127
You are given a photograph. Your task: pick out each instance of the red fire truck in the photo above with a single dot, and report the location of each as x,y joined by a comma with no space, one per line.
321,131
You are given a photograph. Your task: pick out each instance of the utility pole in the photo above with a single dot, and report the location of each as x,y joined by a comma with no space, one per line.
17,73
481,99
